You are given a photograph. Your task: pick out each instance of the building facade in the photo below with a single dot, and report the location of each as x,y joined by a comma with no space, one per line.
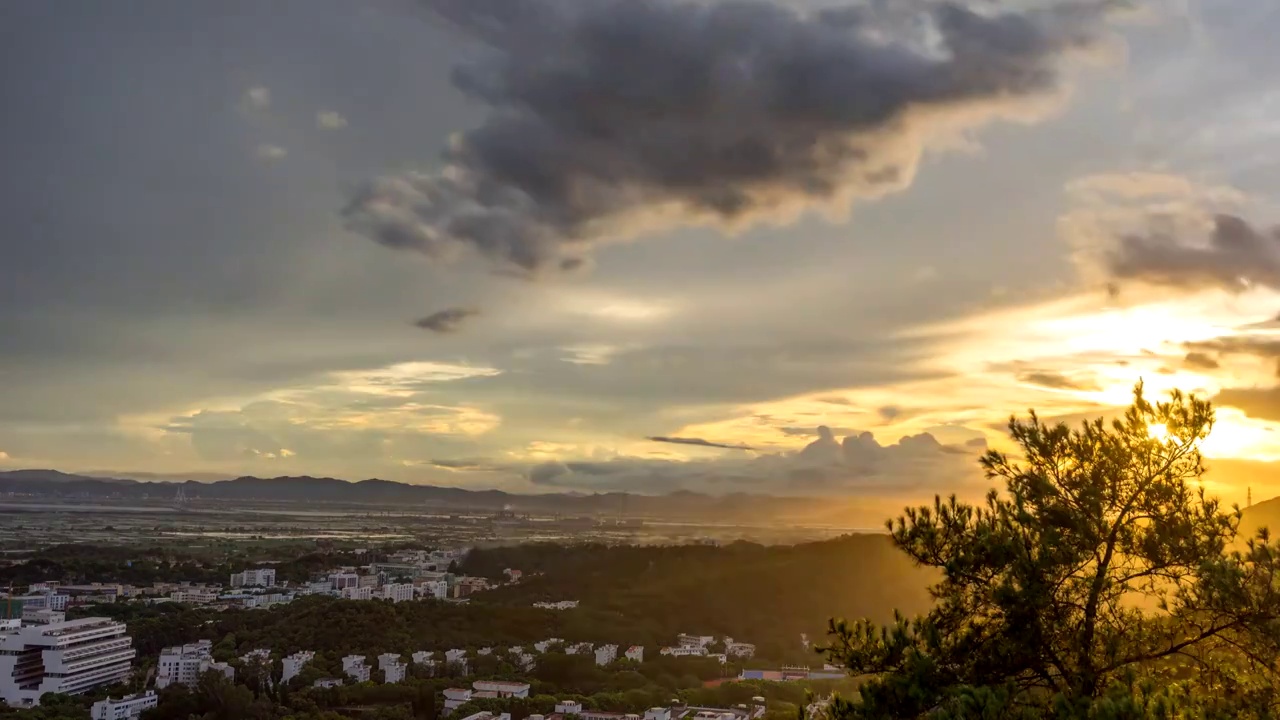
126,708
69,657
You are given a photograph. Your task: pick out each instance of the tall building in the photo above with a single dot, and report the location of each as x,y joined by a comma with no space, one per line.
254,577
69,657
397,592
184,664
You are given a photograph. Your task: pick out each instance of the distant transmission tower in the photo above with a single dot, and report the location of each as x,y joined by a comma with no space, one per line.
1248,497
181,497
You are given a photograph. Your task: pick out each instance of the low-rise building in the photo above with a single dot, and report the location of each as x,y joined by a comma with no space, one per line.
738,649
327,683
42,616
394,672
194,596
502,688
686,640
683,651
455,698
635,653
259,655
128,707
582,648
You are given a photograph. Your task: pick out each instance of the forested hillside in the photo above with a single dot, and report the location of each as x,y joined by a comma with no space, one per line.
766,595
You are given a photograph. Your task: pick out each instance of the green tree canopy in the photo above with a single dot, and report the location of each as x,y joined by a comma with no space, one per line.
1098,583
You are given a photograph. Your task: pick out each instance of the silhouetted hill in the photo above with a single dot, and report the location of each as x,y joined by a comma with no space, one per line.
55,485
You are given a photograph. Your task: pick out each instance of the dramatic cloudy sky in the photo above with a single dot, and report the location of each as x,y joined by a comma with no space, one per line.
780,246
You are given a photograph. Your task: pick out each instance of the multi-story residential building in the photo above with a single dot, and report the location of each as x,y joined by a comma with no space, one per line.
456,657
128,707
465,586
424,657
194,596
526,661
606,654
69,657
254,577
294,663
545,645
394,672
635,653
354,667
581,648
397,592
502,688
685,640
437,589
184,664
343,580
358,592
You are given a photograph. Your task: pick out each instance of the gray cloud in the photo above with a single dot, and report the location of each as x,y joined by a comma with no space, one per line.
612,116
697,441
1263,346
1259,403
1200,361
1236,256
447,320
856,464
1056,380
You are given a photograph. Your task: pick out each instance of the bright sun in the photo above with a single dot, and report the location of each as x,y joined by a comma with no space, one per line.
1158,431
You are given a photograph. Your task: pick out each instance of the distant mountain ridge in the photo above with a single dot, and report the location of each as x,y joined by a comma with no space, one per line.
56,485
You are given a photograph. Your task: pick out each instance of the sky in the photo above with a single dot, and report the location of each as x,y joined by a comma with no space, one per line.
784,246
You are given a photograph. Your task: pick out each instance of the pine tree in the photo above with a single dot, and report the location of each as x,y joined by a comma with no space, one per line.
1098,583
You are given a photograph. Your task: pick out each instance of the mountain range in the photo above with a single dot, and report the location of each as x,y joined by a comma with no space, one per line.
739,507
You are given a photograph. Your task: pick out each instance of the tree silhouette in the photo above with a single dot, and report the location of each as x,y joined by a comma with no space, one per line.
1100,578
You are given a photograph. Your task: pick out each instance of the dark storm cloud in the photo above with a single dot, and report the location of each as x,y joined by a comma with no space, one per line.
448,320
697,441
1236,256
611,116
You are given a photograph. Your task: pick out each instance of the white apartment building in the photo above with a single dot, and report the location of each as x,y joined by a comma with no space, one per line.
569,707
327,683
702,641
437,589
526,661
184,664
606,654
354,667
581,648
386,659
544,645
455,698
357,592
683,651
456,656
394,672
126,708
194,596
254,577
68,657
635,652
397,592
294,663
502,688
